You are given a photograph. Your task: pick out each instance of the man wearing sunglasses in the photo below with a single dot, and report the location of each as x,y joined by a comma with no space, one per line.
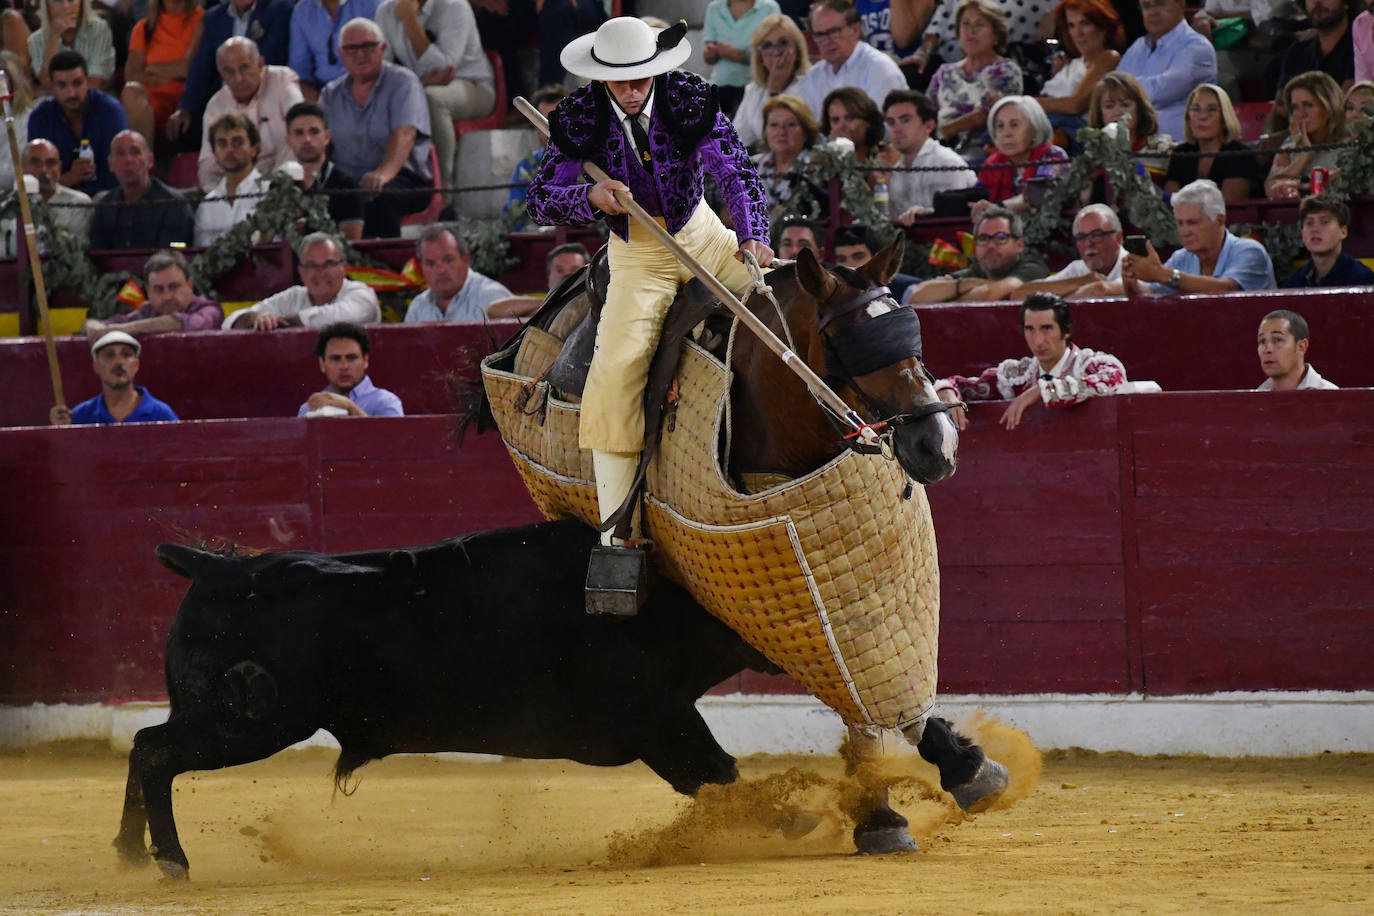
845,60
1001,264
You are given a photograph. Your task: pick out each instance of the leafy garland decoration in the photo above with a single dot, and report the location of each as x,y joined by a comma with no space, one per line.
835,160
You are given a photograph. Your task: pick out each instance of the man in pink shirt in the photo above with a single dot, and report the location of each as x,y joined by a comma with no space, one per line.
172,303
257,90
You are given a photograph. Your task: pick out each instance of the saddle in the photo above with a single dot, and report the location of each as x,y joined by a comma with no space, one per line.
572,312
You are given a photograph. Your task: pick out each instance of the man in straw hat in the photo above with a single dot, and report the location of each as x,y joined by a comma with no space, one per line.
654,130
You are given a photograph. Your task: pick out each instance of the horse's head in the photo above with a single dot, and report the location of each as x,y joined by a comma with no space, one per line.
873,360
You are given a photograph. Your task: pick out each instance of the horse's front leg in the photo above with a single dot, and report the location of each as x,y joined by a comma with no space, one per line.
966,772
878,830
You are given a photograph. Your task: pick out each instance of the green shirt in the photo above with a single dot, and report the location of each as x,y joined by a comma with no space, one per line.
1030,266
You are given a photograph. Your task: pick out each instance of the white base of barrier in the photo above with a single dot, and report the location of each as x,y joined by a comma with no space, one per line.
1223,724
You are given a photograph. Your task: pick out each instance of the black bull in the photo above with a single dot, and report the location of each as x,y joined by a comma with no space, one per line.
477,644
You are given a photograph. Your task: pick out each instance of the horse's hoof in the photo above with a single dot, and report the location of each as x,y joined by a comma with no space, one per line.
132,856
174,871
801,823
984,788
882,841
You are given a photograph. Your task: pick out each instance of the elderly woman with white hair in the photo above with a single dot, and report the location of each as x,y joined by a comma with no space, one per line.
1025,152
1212,259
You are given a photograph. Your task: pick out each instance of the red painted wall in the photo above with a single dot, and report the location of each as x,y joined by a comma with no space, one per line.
1162,543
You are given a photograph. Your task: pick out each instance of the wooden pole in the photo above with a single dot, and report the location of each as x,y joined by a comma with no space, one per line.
31,242
817,386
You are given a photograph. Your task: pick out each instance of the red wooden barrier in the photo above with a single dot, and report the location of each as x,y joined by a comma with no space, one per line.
1164,544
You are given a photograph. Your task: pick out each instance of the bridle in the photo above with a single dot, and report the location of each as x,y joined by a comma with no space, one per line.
866,346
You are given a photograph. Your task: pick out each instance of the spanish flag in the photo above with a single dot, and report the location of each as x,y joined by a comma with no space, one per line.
381,280
945,255
131,294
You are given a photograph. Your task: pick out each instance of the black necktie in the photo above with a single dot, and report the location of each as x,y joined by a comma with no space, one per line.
641,138
1047,376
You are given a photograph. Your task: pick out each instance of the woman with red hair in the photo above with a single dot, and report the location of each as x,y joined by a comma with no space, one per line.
1092,36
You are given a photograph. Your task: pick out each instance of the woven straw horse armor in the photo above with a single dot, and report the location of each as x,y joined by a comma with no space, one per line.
833,576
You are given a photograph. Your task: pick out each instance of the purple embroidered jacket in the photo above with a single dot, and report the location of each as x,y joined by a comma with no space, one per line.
687,135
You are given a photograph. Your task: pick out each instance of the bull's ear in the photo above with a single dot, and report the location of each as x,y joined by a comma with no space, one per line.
184,561
813,277
883,266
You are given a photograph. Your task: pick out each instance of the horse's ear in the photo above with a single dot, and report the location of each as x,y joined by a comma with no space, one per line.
883,266
814,278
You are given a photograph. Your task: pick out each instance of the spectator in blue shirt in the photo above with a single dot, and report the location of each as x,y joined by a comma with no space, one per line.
342,348
1212,259
115,359
1325,225
1169,61
315,29
266,22
76,112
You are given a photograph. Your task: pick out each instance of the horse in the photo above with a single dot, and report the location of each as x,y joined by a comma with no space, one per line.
846,326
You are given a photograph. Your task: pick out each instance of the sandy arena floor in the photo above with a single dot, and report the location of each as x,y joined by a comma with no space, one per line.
1088,834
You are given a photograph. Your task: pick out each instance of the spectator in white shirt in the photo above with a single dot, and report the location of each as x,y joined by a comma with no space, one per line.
262,93
456,291
911,121
845,60
325,296
235,141
1283,343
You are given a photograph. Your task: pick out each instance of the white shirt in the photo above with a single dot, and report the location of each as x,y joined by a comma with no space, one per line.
867,68
917,189
624,117
453,41
279,90
355,302
1311,380
749,114
218,212
1080,269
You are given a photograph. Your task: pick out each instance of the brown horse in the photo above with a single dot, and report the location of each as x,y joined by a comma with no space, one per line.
845,326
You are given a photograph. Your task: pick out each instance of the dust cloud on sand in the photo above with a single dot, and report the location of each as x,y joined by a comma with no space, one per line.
753,817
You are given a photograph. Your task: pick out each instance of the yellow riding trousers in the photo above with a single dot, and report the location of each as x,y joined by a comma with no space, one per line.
644,280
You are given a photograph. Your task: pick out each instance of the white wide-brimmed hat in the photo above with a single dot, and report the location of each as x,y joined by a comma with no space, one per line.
626,48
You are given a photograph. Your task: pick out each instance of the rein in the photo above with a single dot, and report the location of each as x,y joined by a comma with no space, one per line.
867,346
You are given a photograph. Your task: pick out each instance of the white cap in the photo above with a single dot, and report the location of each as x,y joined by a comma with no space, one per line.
114,337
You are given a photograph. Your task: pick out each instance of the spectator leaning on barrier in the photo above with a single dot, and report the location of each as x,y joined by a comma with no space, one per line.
845,60
316,29
114,356
1097,235
81,122
911,123
308,136
437,40
1283,342
343,350
1001,262
1212,259
71,209
1057,373
142,212
325,295
266,23
260,92
386,146
235,140
1168,61
1325,225
172,302
456,291
561,261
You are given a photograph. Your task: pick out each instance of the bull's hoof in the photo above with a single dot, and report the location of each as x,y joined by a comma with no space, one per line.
882,841
174,871
984,788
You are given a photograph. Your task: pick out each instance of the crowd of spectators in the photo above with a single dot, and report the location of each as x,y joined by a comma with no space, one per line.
973,101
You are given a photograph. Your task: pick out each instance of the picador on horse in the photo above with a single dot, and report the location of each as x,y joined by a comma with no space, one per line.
655,131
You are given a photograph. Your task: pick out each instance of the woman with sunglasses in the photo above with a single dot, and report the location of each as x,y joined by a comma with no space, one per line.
777,60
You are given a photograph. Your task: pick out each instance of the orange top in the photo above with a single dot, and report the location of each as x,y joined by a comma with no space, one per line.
171,39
